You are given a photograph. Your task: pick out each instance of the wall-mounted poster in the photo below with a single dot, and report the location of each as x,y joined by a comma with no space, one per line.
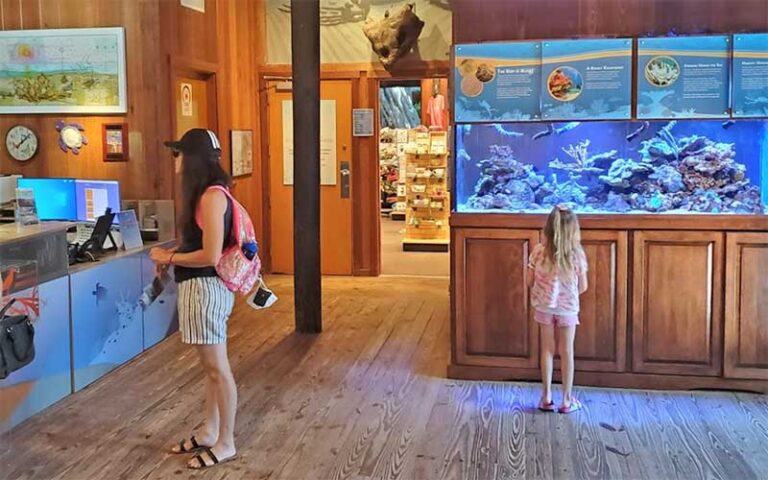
242,152
497,81
683,77
750,75
63,71
328,163
586,79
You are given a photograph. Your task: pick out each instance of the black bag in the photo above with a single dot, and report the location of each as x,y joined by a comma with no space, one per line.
17,342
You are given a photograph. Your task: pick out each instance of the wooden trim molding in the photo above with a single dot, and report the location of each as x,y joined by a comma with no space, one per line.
617,222
423,69
609,379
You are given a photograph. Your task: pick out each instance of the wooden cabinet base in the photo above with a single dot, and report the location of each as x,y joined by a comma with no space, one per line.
610,380
668,307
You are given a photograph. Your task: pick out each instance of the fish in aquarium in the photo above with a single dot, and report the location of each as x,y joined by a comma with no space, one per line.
685,172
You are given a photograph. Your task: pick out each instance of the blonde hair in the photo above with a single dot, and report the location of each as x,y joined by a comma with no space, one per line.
563,239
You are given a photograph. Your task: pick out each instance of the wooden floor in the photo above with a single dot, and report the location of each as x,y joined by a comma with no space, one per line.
368,399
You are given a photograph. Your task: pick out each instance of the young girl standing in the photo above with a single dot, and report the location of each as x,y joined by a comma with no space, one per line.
557,275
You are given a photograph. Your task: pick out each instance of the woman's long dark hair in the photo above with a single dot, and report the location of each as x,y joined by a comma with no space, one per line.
198,172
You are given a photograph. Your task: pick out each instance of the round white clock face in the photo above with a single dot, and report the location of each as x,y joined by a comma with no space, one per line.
72,137
21,143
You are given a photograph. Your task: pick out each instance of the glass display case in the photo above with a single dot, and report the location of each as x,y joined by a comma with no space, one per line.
629,167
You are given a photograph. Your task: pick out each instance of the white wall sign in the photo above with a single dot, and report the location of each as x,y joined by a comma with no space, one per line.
198,5
362,122
328,168
186,99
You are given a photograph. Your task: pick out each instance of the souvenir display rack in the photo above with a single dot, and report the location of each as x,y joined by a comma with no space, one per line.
427,202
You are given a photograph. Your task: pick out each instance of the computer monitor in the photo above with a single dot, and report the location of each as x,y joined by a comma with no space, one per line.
54,197
94,197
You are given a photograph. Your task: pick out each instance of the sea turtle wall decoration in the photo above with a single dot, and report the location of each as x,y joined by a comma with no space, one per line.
394,35
71,136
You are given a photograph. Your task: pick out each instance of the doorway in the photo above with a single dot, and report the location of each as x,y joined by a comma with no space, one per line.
414,177
336,166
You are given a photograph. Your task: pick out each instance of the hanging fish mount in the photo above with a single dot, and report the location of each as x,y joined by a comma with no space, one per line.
393,36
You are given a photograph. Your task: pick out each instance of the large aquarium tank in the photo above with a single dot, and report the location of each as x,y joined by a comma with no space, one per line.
683,167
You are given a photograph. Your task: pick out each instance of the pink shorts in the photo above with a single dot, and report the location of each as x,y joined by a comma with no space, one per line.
556,320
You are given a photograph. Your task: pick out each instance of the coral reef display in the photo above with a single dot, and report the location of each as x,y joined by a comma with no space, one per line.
666,172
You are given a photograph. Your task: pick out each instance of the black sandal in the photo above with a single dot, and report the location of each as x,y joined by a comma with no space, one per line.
184,449
201,463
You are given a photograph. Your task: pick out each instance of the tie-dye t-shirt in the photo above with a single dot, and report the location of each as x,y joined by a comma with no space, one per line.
555,293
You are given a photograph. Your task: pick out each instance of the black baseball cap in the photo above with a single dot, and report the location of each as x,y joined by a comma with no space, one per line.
197,140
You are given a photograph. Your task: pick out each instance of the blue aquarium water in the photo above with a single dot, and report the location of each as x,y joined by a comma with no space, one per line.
695,166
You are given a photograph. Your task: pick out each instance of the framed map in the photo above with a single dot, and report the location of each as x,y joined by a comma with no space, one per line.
63,71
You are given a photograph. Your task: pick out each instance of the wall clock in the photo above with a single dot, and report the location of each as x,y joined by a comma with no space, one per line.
71,136
21,143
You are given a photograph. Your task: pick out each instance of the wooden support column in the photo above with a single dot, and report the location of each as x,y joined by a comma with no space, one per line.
305,46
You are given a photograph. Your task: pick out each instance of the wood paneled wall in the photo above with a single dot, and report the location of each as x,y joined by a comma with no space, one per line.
499,20
161,35
241,35
145,175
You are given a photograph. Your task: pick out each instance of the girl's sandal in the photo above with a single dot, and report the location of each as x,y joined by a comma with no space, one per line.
574,406
211,460
546,407
194,446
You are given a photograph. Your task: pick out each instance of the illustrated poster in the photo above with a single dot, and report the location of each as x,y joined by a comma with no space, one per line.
497,81
79,70
750,75
327,142
586,79
683,77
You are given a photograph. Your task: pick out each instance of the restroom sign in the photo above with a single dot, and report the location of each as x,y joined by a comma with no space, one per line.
186,99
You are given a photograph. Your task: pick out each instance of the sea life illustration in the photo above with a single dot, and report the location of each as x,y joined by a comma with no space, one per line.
666,171
662,71
485,72
100,292
565,83
471,86
117,345
75,70
26,303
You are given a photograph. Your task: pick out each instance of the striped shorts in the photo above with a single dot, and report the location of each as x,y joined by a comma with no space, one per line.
205,305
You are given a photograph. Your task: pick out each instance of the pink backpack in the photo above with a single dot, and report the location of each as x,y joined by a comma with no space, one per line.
239,273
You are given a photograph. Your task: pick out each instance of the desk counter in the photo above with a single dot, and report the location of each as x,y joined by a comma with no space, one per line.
87,317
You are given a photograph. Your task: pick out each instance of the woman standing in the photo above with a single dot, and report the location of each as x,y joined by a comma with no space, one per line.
204,302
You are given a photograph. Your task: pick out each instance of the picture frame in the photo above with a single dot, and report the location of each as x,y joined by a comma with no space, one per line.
115,142
241,154
74,71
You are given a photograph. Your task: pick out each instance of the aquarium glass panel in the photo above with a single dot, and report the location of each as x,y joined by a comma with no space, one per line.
697,166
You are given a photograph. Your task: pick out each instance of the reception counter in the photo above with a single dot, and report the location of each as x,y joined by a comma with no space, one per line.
674,302
87,317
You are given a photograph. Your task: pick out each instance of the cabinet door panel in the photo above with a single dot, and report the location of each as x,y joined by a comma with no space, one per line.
746,306
601,336
677,304
494,325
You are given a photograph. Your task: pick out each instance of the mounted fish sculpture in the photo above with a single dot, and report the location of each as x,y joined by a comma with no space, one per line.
394,35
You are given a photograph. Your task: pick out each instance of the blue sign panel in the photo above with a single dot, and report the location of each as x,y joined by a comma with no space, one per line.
586,79
683,77
750,75
497,81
